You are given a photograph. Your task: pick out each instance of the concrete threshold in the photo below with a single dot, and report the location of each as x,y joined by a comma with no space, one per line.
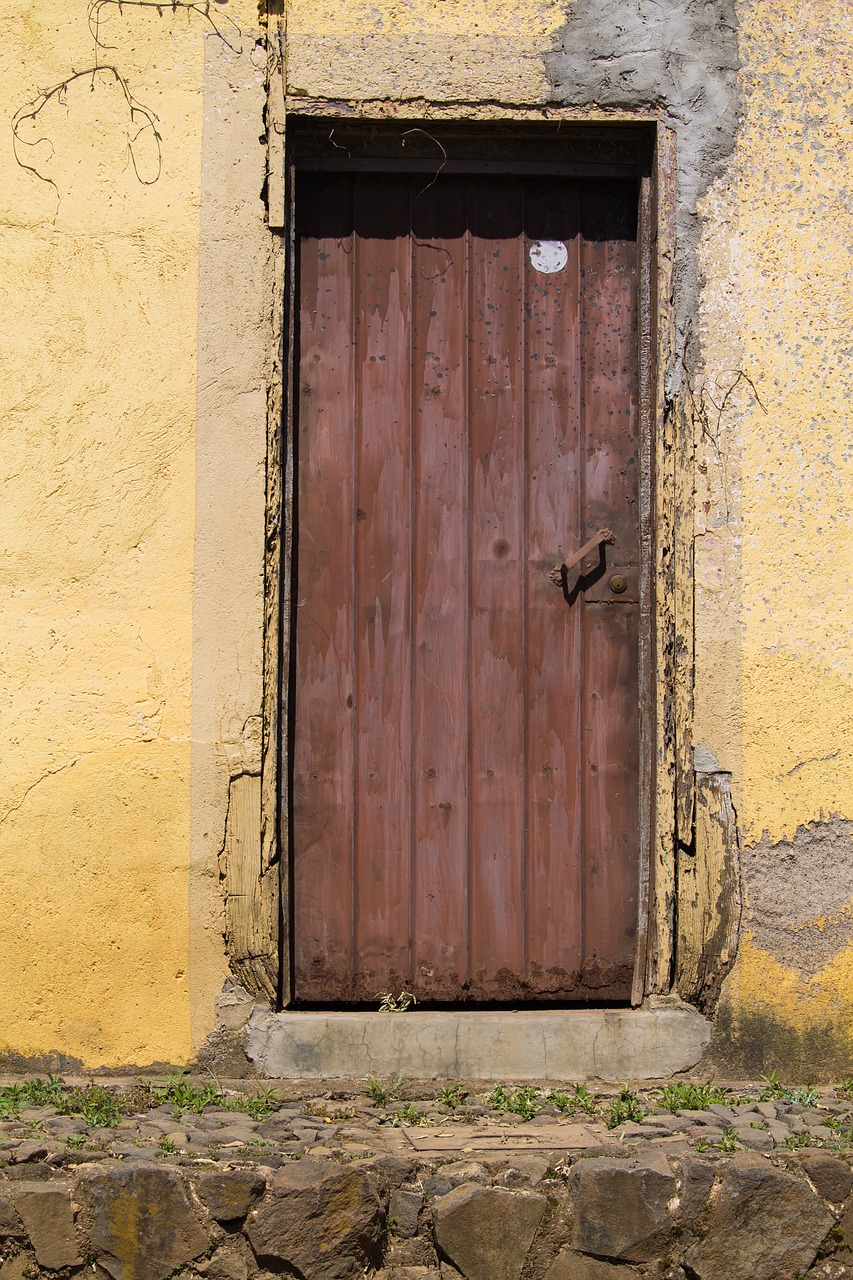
571,1044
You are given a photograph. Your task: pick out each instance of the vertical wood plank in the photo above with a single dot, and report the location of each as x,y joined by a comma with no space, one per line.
496,591
666,640
383,571
611,498
554,666
611,801
440,587
323,751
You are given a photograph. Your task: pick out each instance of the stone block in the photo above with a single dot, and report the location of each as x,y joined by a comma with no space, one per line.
695,1183
754,1139
486,1232
45,1210
403,1211
229,1196
17,1268
570,1044
141,1223
226,1264
762,1224
10,1222
832,1177
460,1171
319,1217
622,1212
408,1273
577,1266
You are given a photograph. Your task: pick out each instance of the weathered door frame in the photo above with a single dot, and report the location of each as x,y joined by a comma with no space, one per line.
666,777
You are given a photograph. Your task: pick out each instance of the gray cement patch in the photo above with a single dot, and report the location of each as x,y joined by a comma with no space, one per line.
799,894
562,1044
678,58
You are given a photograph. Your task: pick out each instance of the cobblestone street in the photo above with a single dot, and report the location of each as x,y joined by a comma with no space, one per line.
139,1179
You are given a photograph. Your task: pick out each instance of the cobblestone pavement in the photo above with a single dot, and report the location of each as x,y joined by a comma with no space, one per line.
182,1120
194,1179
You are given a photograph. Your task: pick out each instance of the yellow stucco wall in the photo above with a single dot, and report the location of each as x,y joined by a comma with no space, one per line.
774,610
133,473
796,211
98,385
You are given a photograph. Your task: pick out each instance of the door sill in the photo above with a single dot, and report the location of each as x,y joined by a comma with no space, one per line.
565,1044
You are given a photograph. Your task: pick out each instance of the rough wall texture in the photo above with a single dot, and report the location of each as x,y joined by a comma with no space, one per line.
774,650
100,269
135,371
678,59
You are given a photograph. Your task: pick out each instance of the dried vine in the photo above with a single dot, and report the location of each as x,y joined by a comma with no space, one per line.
142,120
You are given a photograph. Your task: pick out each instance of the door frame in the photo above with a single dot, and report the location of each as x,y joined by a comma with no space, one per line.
666,648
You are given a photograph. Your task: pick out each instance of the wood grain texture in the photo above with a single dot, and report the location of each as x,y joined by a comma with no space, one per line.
251,892
465,776
709,896
664,836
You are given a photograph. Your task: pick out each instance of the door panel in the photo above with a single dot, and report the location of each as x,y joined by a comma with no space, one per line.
466,743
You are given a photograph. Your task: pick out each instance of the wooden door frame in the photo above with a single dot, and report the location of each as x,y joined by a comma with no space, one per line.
666,648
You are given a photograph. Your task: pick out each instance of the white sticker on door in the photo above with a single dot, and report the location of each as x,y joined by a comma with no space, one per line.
548,255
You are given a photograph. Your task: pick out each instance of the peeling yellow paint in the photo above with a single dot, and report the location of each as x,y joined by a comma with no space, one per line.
774,615
796,211
128,681
762,987
823,922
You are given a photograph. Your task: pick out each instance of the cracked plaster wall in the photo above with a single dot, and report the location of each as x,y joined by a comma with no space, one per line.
134,384
774,546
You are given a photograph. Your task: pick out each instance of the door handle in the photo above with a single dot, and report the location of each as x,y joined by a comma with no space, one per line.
560,572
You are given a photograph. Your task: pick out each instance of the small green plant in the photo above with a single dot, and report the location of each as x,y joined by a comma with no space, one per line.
166,1147
796,1140
31,1093
728,1141
389,1003
806,1097
381,1094
264,1102
523,1101
407,1113
451,1097
76,1141
570,1103
700,1145
625,1108
691,1097
179,1090
96,1105
845,1087
842,1139
773,1090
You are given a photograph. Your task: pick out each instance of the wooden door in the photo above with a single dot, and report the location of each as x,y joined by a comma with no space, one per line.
465,814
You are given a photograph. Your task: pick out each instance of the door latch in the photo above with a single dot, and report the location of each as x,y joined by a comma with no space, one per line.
560,572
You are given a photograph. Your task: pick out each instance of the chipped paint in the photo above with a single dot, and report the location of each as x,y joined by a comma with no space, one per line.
139,356
774,661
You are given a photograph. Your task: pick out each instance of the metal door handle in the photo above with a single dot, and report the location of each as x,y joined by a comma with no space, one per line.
560,571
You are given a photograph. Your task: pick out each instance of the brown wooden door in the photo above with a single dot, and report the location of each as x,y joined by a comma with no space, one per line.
466,747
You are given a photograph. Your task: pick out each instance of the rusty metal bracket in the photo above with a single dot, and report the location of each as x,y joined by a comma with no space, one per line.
560,572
